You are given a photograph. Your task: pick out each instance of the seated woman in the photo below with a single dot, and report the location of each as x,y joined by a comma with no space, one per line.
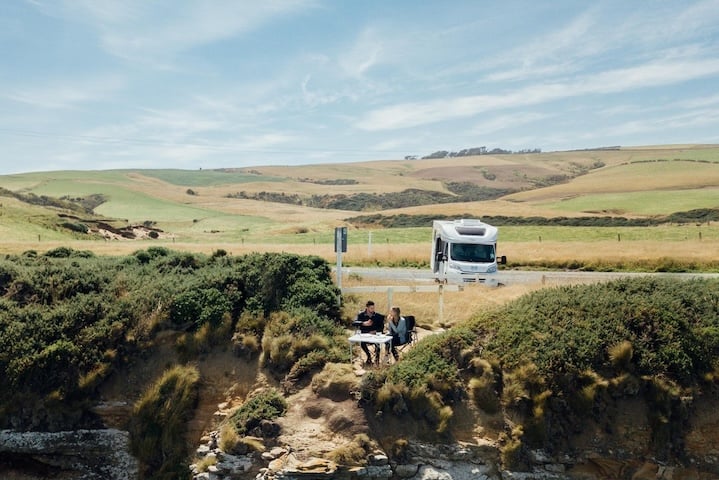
398,329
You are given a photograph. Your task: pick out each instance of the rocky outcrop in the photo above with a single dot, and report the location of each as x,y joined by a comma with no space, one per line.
77,455
434,462
428,462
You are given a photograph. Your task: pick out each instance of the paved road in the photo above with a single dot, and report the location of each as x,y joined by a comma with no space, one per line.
513,277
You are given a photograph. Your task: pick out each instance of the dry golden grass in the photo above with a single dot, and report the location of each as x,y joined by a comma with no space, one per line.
623,178
432,311
380,253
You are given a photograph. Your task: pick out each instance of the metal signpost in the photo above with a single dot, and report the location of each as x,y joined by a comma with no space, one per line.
340,246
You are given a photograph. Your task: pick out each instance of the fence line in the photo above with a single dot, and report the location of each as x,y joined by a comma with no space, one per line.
390,289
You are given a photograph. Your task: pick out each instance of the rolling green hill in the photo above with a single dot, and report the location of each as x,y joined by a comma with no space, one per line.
287,204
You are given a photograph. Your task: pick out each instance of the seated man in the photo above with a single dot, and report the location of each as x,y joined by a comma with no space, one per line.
398,329
370,322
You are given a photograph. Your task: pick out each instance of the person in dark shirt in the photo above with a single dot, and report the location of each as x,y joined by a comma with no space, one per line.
370,322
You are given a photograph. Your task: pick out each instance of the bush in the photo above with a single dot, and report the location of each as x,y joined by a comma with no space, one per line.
288,337
61,312
567,330
198,307
266,404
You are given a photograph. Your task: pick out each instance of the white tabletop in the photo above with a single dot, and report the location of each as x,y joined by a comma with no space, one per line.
370,338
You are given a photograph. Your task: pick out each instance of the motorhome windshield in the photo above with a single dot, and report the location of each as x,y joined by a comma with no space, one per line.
471,252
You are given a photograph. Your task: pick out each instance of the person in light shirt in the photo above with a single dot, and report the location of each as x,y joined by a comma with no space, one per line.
397,327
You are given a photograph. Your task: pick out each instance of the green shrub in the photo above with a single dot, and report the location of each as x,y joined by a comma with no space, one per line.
273,283
290,336
567,330
590,344
61,312
266,404
59,252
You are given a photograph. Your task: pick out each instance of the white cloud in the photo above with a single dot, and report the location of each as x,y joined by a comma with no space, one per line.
613,81
65,93
363,54
503,122
153,32
298,80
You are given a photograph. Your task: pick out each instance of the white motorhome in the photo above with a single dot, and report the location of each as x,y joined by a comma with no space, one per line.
464,251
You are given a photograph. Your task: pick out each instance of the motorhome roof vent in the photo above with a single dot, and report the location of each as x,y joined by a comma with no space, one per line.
471,230
470,226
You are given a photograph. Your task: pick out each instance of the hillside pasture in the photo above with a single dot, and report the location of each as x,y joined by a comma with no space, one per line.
630,177
194,209
21,223
205,178
633,204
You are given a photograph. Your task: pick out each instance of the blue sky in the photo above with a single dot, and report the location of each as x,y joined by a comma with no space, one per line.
99,84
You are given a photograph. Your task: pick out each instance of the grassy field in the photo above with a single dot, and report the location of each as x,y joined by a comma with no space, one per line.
194,212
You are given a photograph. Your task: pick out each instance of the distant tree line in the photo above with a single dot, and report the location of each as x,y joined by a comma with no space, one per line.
701,215
460,192
468,152
330,181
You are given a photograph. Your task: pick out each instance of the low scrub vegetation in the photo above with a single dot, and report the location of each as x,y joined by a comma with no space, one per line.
263,405
563,353
69,319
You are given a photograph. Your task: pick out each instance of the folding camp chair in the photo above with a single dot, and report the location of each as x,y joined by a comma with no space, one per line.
411,333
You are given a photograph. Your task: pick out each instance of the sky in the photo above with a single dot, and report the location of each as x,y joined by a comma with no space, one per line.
101,84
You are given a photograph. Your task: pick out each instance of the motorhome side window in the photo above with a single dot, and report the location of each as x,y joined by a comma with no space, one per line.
470,252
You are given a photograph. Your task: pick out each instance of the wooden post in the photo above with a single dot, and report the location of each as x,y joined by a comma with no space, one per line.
441,304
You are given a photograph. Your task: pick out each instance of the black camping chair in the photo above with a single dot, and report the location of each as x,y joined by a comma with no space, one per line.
411,333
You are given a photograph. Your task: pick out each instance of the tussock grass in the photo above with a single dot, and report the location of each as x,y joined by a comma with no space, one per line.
483,392
354,452
336,381
205,463
399,450
511,450
229,438
252,444
159,418
621,355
